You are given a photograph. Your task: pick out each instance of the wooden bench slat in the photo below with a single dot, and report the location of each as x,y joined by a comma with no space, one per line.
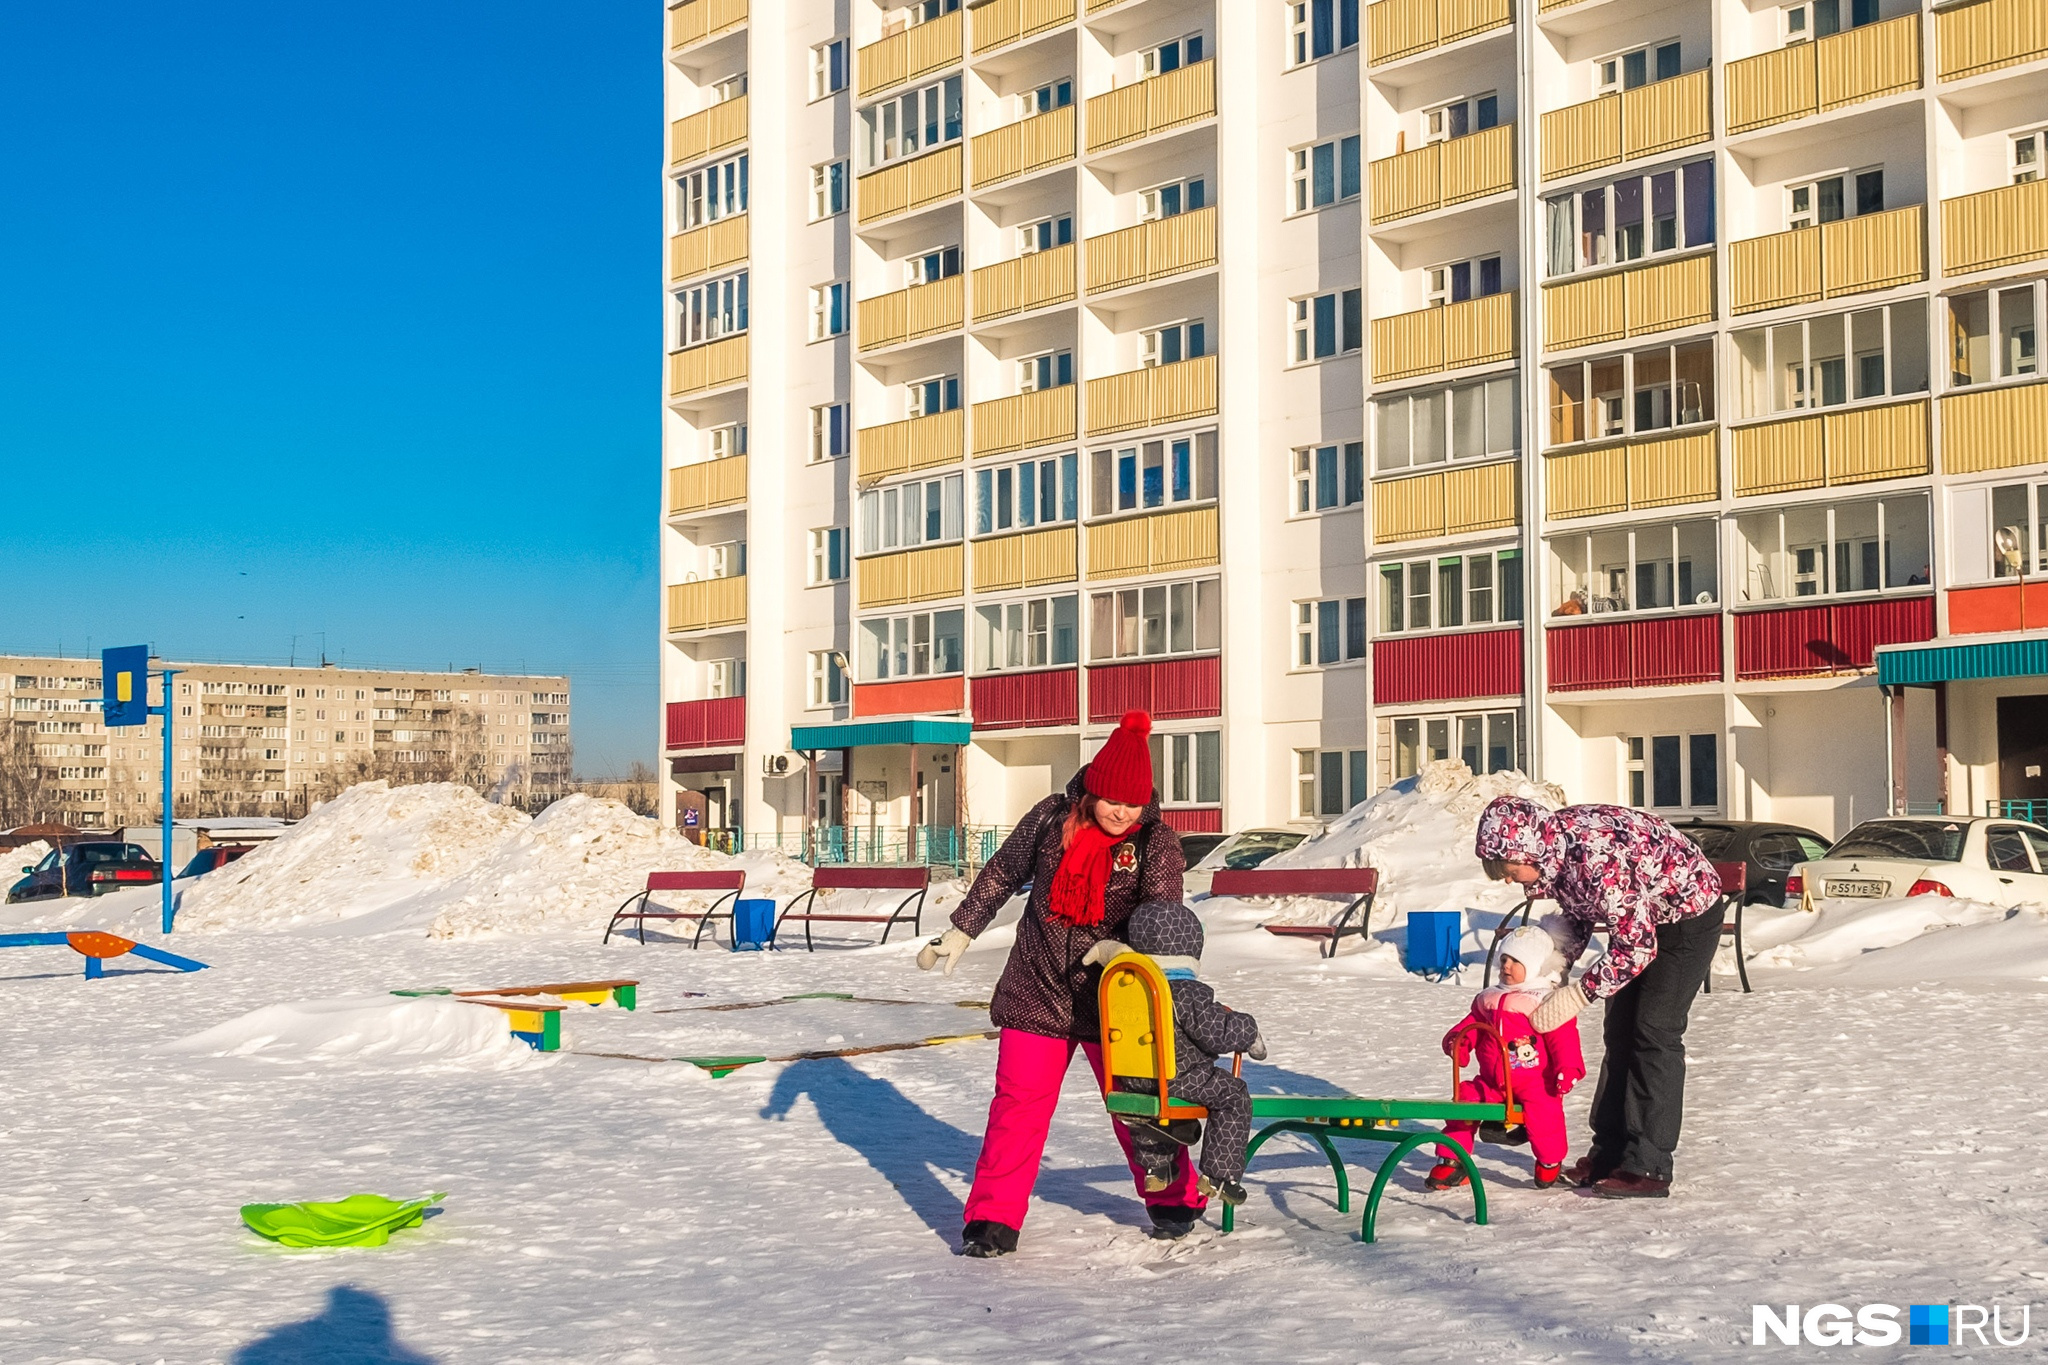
1294,881
555,988
529,1006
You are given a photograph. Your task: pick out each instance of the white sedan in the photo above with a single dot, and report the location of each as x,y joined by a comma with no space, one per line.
1998,862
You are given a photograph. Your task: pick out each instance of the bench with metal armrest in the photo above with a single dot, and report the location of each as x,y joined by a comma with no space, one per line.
729,884
1734,883
1359,883
916,881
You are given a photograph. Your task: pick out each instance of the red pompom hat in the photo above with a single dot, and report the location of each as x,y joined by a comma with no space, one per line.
1122,772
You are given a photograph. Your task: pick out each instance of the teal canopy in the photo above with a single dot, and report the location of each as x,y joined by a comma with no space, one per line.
861,734
1925,665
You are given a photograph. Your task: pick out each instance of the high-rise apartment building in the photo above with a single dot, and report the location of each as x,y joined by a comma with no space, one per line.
1645,395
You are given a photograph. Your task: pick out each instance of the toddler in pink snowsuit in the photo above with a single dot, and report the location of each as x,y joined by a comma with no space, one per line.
1542,1066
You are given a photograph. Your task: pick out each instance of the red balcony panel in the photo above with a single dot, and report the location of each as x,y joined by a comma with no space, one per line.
1174,689
1008,701
1858,628
2005,606
914,697
713,723
1802,641
1666,650
1582,657
1194,819
1485,663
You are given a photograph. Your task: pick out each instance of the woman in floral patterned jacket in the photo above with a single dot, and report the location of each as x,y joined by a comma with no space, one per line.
1651,889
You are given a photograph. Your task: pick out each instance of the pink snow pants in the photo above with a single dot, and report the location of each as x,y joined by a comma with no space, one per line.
1542,1112
1029,1070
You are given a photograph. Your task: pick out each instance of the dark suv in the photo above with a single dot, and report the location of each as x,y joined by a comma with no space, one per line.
1769,852
87,869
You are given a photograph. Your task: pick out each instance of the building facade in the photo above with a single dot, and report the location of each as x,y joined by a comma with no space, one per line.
1591,387
258,740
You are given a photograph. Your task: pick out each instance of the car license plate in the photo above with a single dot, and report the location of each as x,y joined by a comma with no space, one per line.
1857,888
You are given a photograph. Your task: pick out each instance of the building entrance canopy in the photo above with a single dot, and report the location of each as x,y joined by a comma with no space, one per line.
1926,665
863,734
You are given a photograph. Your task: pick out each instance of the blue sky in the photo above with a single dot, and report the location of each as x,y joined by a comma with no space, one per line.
337,320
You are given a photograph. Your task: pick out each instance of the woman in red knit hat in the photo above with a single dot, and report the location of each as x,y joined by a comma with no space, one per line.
1092,854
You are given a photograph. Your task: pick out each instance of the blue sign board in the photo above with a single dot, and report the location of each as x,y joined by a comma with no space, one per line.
124,685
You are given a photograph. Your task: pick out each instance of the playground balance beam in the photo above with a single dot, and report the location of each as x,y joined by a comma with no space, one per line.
96,947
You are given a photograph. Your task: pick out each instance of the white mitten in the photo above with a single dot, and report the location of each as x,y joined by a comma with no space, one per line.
1257,1051
1558,1008
947,947
1102,952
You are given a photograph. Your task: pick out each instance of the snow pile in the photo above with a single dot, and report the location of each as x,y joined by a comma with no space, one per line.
433,1029
28,855
1906,940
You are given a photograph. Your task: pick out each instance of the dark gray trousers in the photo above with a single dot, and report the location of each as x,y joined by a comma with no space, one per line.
1224,1137
1640,1101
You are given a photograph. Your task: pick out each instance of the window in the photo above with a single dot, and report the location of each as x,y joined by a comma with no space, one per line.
1634,568
1832,198
828,190
1324,174
711,192
1821,18
1329,476
922,512
1465,422
1673,772
727,559
730,88
924,644
1187,769
1485,741
1639,66
2028,152
1159,473
1172,199
1046,98
913,122
724,678
827,680
1998,531
1155,620
1644,391
1630,218
1171,56
1053,370
1826,361
730,439
1474,114
1045,234
933,266
716,308
1041,632
1457,281
828,554
829,67
1328,324
1332,631
929,397
1819,549
1449,591
1030,493
2006,314
1174,342
1318,28
924,11
831,431
831,309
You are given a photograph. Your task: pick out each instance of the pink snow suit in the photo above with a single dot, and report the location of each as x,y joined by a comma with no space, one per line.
1544,1066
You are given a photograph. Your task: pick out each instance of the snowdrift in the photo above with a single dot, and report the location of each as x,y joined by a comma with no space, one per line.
377,1027
1906,940
28,855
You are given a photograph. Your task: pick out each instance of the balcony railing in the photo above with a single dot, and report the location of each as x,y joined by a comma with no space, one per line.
1024,421
1632,302
1022,147
1152,251
1811,78
1452,337
1164,542
1995,227
1447,503
1040,280
1875,251
707,485
926,575
700,369
708,130
1152,397
1152,106
919,51
2000,427
1843,446
1029,560
695,20
1972,39
912,444
708,604
1443,173
1646,121
711,247
1402,28
1677,469
1002,22
908,314
909,185
709,723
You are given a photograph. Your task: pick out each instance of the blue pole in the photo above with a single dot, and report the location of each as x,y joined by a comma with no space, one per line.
165,711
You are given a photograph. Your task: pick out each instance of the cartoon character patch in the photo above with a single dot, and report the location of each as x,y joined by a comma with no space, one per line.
1126,858
1522,1054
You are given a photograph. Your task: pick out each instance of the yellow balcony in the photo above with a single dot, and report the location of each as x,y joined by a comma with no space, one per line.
1821,450
1152,397
1993,428
708,131
1024,421
707,486
1646,121
695,20
1003,22
1402,28
1811,78
1443,173
1152,251
1152,106
1449,502
912,444
1642,299
1040,280
1164,542
1875,251
1972,39
910,185
1678,469
1025,561
711,247
909,314
1022,147
1452,337
708,604
1994,228
914,52
937,571
700,369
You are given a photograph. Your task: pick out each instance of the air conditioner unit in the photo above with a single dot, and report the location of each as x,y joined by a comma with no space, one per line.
778,765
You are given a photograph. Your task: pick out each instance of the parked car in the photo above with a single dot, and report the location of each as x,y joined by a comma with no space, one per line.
87,869
210,859
1247,848
1195,847
1999,862
1768,851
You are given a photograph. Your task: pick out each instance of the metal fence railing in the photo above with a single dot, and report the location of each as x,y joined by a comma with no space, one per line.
2034,809
965,847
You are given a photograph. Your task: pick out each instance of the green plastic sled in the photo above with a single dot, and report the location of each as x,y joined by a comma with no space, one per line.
361,1220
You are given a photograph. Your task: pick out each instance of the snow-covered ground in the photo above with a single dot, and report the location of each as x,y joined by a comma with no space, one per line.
1859,1129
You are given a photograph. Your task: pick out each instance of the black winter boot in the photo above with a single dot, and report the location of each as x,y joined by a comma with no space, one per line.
985,1239
1171,1222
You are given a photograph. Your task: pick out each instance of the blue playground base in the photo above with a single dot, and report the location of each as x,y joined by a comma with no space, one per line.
96,947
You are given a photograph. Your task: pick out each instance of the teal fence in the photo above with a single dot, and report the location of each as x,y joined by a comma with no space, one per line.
962,846
2035,810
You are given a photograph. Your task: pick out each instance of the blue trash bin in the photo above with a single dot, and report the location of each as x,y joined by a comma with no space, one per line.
1434,937
753,921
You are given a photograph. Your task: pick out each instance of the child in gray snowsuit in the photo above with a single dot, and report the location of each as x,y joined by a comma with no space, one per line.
1169,934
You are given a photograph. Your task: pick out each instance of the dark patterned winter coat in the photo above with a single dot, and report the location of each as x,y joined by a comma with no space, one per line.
1203,1030
1046,988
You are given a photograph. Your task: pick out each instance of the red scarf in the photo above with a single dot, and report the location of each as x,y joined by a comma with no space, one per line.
1076,892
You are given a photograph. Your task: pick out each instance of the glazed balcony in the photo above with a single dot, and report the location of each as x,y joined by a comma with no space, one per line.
912,53
711,247
1022,147
708,604
1970,40
1030,560
1440,174
1850,256
907,186
695,20
922,310
1447,503
701,369
1995,228
1646,121
2000,427
1152,106
1626,303
1153,396
708,131
1025,421
926,575
1829,449
708,486
1002,22
1040,280
1401,28
1152,251
1812,78
1632,477
1164,542
1451,337
912,444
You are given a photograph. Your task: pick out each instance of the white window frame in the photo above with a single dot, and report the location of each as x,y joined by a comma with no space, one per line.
1347,617
879,147
1757,566
1999,336
1178,759
1191,338
1796,217
830,181
1314,798
1180,194
831,310
711,193
902,630
1440,280
1638,771
1611,413
887,521
990,479
1343,459
1028,368
1196,450
1456,728
1438,120
1347,325
1479,606
1028,234
1804,382
725,678
1346,153
1301,29
826,680
1025,632
1447,453
2026,155
1118,619
710,310
1981,550
831,559
1047,98
1610,71
948,389
831,68
929,267
1188,49
1647,545
725,440
831,423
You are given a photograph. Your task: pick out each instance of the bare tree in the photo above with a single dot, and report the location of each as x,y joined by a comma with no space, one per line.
26,794
642,794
